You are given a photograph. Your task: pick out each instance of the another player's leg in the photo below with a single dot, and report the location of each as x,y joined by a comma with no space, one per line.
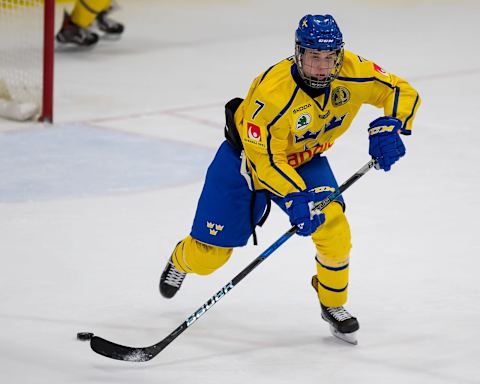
108,25
332,241
75,27
72,33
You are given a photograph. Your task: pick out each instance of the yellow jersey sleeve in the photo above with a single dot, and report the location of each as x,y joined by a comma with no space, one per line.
390,92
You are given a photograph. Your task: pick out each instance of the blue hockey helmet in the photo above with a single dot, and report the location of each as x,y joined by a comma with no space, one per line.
318,33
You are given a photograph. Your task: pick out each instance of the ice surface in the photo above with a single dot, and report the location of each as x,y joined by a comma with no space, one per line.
91,208
79,160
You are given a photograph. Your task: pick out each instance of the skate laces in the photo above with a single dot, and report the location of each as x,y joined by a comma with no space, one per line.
339,313
174,276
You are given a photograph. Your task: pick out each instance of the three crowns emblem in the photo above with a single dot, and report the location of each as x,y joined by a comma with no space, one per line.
214,228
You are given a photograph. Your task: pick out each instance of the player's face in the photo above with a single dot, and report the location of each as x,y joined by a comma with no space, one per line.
318,64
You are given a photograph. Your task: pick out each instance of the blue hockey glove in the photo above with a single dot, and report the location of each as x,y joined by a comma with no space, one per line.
300,209
386,146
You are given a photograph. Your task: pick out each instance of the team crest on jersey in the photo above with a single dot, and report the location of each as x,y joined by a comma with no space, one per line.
214,228
340,96
303,120
309,135
334,122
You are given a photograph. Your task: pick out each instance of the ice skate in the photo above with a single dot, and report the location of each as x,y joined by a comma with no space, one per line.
342,324
171,280
71,33
109,26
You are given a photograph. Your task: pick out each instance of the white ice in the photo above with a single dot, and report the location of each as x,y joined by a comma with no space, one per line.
91,207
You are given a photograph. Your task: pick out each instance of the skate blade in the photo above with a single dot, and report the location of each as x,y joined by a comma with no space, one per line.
350,338
110,36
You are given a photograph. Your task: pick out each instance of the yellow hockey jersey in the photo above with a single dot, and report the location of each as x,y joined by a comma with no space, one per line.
282,127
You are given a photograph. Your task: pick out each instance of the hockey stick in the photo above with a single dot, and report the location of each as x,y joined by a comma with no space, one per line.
121,352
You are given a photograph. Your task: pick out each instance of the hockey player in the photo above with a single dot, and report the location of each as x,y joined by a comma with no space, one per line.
75,27
276,139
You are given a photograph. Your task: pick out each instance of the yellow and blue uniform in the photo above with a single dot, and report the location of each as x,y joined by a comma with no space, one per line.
285,128
282,127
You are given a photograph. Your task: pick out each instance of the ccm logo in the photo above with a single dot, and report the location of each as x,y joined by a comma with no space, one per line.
384,128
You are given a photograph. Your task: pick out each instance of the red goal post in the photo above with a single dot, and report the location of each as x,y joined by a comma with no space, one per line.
27,29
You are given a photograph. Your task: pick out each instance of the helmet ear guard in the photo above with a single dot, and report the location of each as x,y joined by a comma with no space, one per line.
318,33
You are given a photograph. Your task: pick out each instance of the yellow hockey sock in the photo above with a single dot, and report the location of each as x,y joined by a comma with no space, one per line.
192,256
333,243
85,11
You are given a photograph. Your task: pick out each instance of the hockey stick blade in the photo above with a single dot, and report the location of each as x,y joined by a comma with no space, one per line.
122,352
143,354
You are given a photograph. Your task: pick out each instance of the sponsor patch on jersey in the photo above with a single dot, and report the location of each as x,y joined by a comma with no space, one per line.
254,134
340,96
303,120
301,108
379,69
296,159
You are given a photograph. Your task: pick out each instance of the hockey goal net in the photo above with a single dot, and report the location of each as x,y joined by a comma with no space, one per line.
26,59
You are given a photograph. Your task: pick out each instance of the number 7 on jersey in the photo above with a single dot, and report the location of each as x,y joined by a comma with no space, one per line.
260,106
